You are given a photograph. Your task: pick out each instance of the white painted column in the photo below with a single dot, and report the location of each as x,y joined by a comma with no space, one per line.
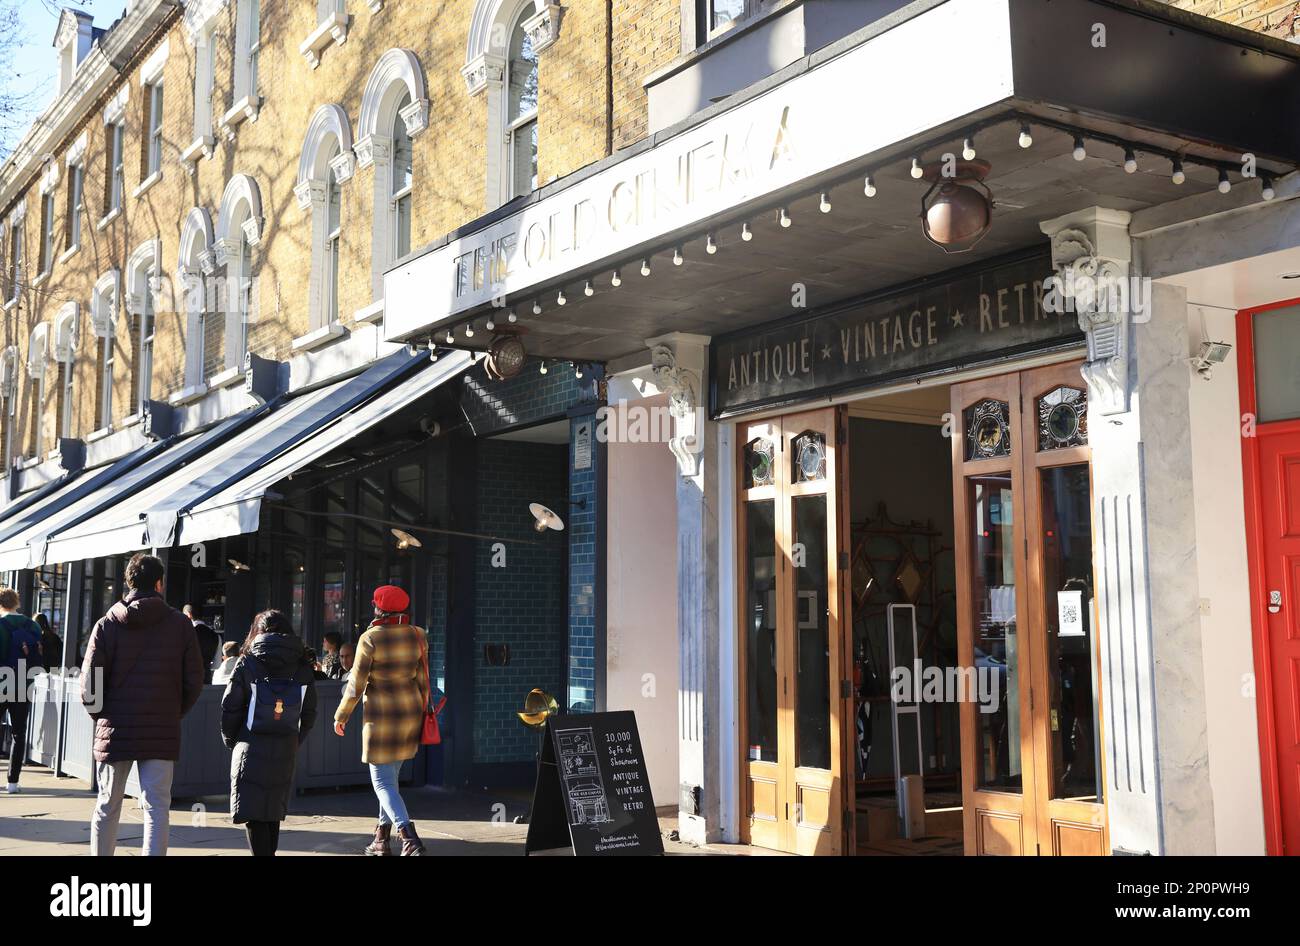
1158,793
680,363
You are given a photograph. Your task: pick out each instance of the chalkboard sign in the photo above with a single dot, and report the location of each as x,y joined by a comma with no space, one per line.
593,792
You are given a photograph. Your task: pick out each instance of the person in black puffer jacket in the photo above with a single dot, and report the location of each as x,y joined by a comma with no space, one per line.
261,768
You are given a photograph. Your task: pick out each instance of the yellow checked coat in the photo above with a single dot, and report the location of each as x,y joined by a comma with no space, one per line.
390,676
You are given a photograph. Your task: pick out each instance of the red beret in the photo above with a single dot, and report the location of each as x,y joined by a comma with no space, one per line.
392,599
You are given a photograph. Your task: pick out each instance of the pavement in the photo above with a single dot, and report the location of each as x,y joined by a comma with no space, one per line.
51,817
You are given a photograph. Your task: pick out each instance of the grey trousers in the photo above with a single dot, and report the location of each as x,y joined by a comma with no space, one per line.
155,800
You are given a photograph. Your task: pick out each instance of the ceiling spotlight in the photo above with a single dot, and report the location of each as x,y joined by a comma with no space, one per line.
1026,139
1178,176
589,289
544,519
560,298
746,234
543,369
1225,184
869,187
710,245
1080,152
537,307
918,172
968,148
237,565
784,218
405,540
616,280
1267,192
469,331
677,256
490,324
1130,161
825,205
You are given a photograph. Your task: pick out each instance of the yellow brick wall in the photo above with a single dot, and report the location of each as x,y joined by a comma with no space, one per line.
645,38
1279,18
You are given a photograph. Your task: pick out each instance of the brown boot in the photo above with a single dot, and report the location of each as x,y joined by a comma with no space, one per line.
412,846
379,846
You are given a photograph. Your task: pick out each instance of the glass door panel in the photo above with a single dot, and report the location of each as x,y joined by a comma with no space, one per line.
760,623
1072,657
811,618
997,650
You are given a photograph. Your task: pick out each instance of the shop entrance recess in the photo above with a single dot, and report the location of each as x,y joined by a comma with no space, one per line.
1030,718
794,614
1268,340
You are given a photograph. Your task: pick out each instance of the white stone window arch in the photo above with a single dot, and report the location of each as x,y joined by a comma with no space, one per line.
395,93
9,392
238,233
503,34
103,322
325,164
142,284
38,357
67,329
195,263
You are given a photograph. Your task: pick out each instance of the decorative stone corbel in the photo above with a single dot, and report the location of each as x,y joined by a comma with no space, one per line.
543,29
1091,257
372,149
670,356
344,165
482,70
416,116
309,192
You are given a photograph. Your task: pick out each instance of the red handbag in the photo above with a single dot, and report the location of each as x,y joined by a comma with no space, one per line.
430,734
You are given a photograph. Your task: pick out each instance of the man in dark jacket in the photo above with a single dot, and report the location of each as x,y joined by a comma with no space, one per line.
208,641
141,674
20,654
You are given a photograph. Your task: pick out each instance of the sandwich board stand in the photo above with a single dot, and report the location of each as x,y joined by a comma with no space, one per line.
593,794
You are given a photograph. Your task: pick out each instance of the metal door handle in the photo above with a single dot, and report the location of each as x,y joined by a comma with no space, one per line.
1274,602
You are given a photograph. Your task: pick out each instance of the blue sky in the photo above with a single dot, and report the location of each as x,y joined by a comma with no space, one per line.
33,62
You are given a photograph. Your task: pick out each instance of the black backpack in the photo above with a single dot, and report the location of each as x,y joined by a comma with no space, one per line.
275,703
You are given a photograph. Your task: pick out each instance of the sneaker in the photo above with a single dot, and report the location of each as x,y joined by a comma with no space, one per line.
12,788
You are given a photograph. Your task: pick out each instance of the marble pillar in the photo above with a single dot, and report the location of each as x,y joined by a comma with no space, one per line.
1156,758
679,364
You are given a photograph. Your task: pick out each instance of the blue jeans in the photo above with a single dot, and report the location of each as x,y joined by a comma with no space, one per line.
392,810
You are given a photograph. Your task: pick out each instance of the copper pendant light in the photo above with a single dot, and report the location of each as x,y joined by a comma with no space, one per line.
957,209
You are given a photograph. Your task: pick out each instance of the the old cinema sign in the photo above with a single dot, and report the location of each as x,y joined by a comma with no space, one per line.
999,311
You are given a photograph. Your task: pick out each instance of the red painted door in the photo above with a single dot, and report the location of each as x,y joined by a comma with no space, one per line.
1279,480
1269,379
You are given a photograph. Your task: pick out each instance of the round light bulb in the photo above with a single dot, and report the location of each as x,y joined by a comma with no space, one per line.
968,149
1026,139
469,331
589,289
489,325
559,298
616,280
577,371
710,245
677,256
542,369
537,307
645,267
869,187
1225,184
785,218
1080,152
512,318
917,171
450,337
825,205
746,234
1130,161
1267,192
1178,176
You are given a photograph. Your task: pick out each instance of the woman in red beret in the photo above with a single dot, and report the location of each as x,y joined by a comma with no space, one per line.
391,676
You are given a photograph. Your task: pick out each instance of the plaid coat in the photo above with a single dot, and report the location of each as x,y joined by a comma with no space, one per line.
390,677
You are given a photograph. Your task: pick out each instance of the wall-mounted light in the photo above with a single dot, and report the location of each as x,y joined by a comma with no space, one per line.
1211,354
957,211
405,540
544,518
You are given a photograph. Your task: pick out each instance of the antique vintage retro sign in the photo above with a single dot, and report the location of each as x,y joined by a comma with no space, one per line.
999,311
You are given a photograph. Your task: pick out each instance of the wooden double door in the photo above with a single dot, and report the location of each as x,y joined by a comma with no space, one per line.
1032,767
793,615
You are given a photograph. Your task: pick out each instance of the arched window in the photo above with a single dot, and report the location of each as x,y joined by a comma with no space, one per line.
394,110
66,331
238,231
326,163
141,286
38,349
103,321
506,38
521,111
9,392
202,343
